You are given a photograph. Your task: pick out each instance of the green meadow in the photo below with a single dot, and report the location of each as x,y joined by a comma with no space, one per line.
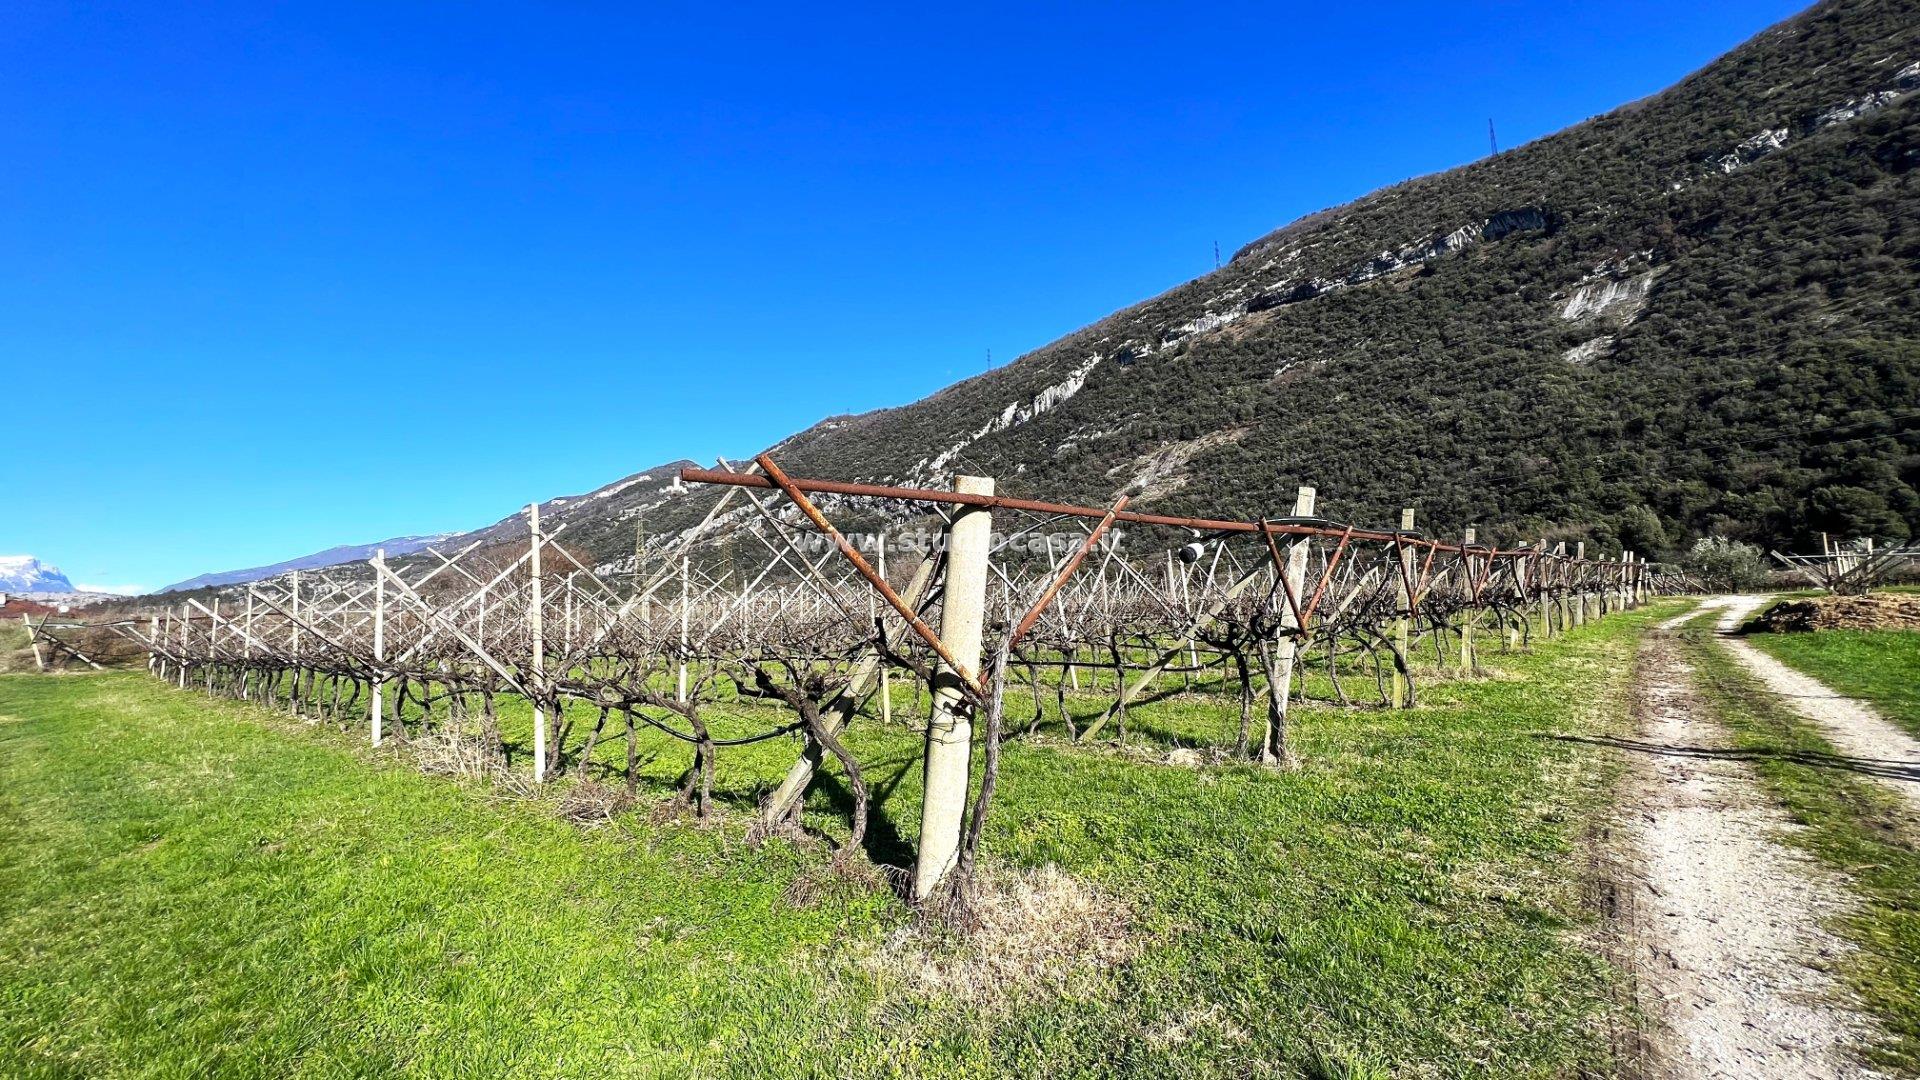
209,887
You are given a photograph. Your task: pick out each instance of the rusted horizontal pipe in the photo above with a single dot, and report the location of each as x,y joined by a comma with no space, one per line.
1002,502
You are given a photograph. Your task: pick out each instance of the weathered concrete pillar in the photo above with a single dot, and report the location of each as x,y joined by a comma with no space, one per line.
949,755
1402,627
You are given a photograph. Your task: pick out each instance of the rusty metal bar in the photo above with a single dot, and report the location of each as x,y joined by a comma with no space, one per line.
1326,577
1280,576
881,491
1426,568
1079,555
778,479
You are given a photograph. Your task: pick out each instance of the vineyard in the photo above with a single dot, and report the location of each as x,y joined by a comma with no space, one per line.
1024,618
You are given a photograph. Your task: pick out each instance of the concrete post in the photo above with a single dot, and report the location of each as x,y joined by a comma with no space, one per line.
1402,626
950,729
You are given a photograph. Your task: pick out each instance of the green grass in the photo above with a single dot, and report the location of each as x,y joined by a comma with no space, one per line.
1851,823
1880,667
197,886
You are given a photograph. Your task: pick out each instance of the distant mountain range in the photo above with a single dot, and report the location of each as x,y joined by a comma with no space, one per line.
26,574
333,556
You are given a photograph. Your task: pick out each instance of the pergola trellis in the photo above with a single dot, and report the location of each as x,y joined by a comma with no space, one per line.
695,652
1850,569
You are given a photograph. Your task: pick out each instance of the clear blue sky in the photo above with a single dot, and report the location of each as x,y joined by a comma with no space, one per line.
284,276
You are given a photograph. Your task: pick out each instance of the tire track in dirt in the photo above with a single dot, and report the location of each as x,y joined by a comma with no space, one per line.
1723,923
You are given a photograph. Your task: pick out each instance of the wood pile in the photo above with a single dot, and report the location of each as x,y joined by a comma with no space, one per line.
1874,611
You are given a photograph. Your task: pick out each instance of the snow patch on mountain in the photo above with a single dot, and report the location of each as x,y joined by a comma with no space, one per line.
24,574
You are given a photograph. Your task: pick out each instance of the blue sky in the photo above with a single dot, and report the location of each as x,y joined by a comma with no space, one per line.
284,276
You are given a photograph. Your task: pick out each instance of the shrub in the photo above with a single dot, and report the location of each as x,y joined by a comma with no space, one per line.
1725,565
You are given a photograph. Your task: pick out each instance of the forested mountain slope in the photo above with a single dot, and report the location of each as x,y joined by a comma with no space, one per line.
1698,313
1705,305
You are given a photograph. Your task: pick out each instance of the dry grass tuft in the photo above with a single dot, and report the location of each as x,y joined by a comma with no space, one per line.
1206,1024
444,752
590,802
1177,756
1018,933
837,877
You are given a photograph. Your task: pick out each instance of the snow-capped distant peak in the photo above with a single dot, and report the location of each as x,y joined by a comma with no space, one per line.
26,574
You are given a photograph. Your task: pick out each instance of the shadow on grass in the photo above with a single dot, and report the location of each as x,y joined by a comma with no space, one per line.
883,843
1881,768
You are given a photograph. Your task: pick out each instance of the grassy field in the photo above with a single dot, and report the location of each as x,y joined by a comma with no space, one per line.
1881,667
1850,822
205,887
15,654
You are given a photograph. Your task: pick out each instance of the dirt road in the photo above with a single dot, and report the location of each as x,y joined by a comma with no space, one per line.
1723,921
1881,749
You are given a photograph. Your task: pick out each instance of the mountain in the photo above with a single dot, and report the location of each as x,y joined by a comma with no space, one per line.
26,574
1698,313
333,556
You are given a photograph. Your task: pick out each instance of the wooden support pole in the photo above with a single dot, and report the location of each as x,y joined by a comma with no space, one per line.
536,629
33,640
1561,605
950,730
686,608
1472,615
293,613
1274,746
886,678
1403,626
246,673
1543,588
1580,583
374,711
213,644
